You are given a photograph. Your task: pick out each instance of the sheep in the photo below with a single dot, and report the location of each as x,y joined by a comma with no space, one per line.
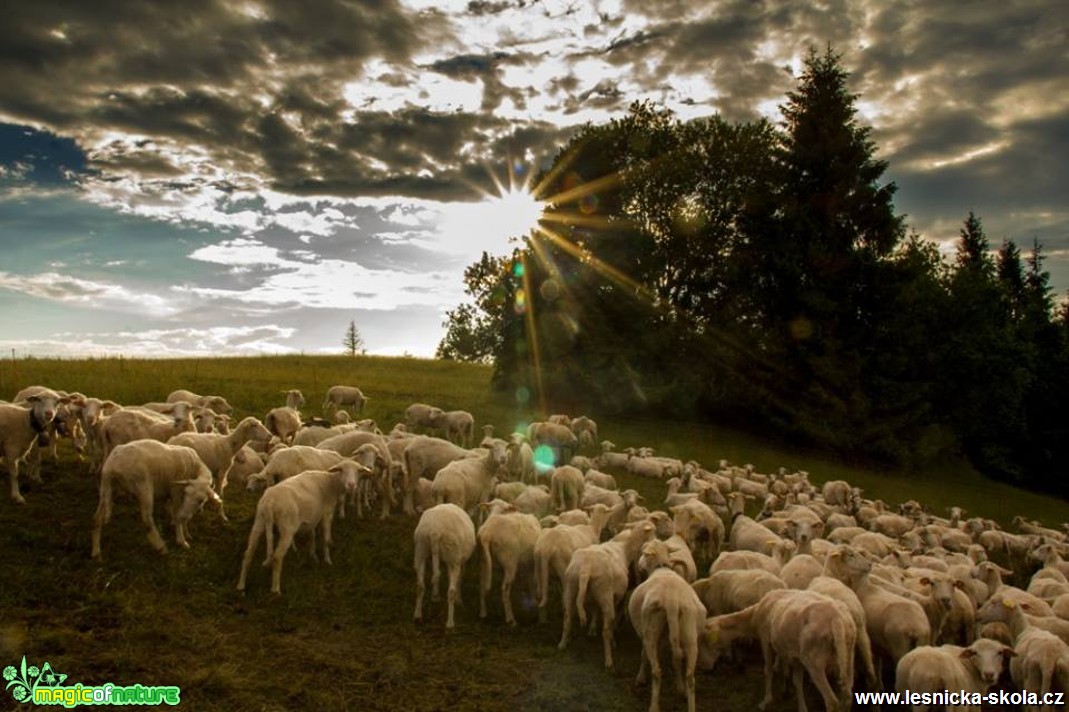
536,500
467,482
555,546
21,428
1042,656
781,552
732,590
152,471
218,451
1047,554
677,554
444,534
949,667
664,600
660,469
339,396
247,463
126,425
508,537
1021,614
837,492
457,426
290,461
601,479
592,494
601,569
302,503
609,459
216,403
702,522
284,422
895,624
566,487
585,429
800,630
521,464
558,437
745,532
422,415
836,589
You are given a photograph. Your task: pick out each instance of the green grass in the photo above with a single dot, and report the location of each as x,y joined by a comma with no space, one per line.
341,637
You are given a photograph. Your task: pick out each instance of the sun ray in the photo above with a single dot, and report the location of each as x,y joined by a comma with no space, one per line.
587,257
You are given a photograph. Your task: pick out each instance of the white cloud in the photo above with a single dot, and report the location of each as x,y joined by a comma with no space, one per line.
160,343
86,293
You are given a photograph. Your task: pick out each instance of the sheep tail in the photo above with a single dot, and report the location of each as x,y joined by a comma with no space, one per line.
580,596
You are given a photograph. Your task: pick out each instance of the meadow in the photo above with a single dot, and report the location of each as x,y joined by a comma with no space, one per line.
341,637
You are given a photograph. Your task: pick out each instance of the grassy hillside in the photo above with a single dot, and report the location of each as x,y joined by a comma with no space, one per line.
340,637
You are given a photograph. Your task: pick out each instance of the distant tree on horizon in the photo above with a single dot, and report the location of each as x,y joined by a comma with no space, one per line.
353,341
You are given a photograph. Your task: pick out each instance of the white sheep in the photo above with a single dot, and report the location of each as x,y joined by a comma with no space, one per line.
154,472
124,426
20,430
974,669
609,459
566,487
340,396
601,479
458,426
218,451
602,570
732,590
781,552
289,461
585,429
284,422
745,532
300,504
536,500
555,546
445,534
468,482
216,403
507,537
664,600
1042,657
422,415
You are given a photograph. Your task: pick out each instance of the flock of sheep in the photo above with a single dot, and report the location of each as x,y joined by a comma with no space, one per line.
829,585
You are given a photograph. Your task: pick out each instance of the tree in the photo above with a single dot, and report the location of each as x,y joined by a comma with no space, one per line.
353,341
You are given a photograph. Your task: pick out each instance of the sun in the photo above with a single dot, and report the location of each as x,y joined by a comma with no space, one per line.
512,214
491,224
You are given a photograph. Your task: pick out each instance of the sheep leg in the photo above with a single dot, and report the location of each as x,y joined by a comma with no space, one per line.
154,538
690,656
420,565
250,551
799,686
486,573
312,545
454,587
508,576
33,460
180,535
651,639
436,574
864,646
568,604
13,475
285,539
327,536
769,656
608,619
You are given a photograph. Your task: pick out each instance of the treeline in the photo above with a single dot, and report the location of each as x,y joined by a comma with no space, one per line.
759,275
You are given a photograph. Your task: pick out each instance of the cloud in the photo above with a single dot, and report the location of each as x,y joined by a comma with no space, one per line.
86,293
161,343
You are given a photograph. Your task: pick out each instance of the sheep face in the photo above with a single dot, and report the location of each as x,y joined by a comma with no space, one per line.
988,657
195,493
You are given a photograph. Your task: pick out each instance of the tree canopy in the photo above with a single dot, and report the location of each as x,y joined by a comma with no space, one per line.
759,274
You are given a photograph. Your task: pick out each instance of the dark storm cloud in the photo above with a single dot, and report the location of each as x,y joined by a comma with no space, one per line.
487,69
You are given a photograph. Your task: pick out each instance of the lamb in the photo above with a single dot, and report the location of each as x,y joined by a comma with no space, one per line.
566,487
654,468
507,537
555,546
340,396
458,426
153,471
520,460
467,482
949,667
218,451
302,503
21,427
601,569
742,560
290,461
444,534
216,403
664,600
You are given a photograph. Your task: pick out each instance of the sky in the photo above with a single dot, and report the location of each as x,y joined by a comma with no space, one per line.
214,177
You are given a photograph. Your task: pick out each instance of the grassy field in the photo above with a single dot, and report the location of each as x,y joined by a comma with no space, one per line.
341,637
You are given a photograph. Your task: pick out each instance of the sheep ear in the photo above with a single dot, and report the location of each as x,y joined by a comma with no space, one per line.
960,585
967,653
925,580
1009,652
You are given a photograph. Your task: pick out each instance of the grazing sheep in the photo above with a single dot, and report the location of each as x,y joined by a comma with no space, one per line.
585,429
444,534
732,590
340,396
664,600
601,569
300,504
154,472
21,428
216,403
421,415
247,463
508,537
555,546
951,667
284,422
